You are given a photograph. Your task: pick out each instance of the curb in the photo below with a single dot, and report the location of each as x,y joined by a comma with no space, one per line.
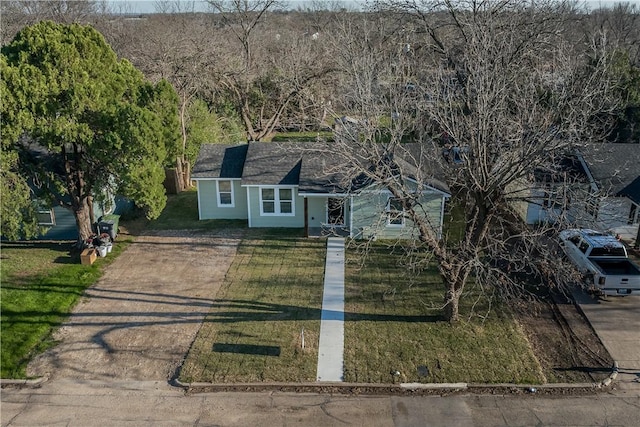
34,382
402,388
360,388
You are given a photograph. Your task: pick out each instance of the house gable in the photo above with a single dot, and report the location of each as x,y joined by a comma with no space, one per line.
218,173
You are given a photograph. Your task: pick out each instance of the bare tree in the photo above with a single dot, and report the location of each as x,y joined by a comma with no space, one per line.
17,14
493,93
264,66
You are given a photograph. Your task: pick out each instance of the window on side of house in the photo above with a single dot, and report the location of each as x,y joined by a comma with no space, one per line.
225,193
634,214
395,212
277,201
46,217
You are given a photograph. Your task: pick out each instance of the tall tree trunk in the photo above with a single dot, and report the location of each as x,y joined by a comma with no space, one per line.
83,220
183,124
77,189
452,301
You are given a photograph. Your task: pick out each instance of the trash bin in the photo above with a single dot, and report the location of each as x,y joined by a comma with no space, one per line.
109,224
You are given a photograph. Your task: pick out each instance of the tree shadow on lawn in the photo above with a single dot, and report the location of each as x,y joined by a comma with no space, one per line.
263,311
222,312
62,246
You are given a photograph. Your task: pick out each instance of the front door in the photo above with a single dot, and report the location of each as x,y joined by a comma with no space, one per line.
335,211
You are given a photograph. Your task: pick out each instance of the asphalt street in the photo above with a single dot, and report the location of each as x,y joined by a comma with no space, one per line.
94,403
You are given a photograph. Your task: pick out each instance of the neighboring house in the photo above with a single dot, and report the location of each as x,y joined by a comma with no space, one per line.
59,221
550,198
303,185
613,174
602,191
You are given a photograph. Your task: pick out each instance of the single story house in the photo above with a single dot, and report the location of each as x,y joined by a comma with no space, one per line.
304,185
56,219
603,189
59,222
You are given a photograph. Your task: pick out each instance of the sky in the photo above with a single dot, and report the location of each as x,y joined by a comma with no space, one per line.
149,6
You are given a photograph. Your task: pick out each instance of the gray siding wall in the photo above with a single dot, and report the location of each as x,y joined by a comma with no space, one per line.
208,201
289,221
65,226
370,219
317,211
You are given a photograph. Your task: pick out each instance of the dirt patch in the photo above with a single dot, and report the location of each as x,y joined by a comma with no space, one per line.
138,321
567,347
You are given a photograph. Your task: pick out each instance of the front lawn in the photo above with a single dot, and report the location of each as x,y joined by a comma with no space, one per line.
394,325
273,291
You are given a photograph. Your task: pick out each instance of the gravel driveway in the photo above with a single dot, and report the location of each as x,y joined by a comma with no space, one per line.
138,321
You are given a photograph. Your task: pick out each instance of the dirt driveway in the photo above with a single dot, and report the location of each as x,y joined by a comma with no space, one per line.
138,321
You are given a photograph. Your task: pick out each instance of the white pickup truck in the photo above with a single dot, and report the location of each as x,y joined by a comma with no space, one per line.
604,261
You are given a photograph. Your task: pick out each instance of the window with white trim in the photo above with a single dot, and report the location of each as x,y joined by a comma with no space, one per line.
46,217
225,193
395,212
276,201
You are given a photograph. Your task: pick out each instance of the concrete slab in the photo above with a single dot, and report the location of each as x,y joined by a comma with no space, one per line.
331,346
616,321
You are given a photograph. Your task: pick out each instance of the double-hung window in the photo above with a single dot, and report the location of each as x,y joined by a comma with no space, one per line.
395,212
276,201
225,193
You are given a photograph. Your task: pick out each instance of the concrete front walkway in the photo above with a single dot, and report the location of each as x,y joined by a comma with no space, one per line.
331,347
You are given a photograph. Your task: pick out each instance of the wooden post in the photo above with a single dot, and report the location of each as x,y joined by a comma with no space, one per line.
306,217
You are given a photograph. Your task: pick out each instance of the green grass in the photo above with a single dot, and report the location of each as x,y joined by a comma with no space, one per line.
394,323
41,282
272,292
181,213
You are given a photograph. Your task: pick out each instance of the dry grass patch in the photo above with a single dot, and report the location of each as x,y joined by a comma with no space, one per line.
272,292
394,324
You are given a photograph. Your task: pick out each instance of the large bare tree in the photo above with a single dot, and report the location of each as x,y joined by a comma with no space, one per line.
17,14
264,64
494,94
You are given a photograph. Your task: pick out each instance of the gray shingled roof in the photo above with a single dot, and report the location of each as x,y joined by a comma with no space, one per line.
613,166
314,167
270,163
322,170
220,161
